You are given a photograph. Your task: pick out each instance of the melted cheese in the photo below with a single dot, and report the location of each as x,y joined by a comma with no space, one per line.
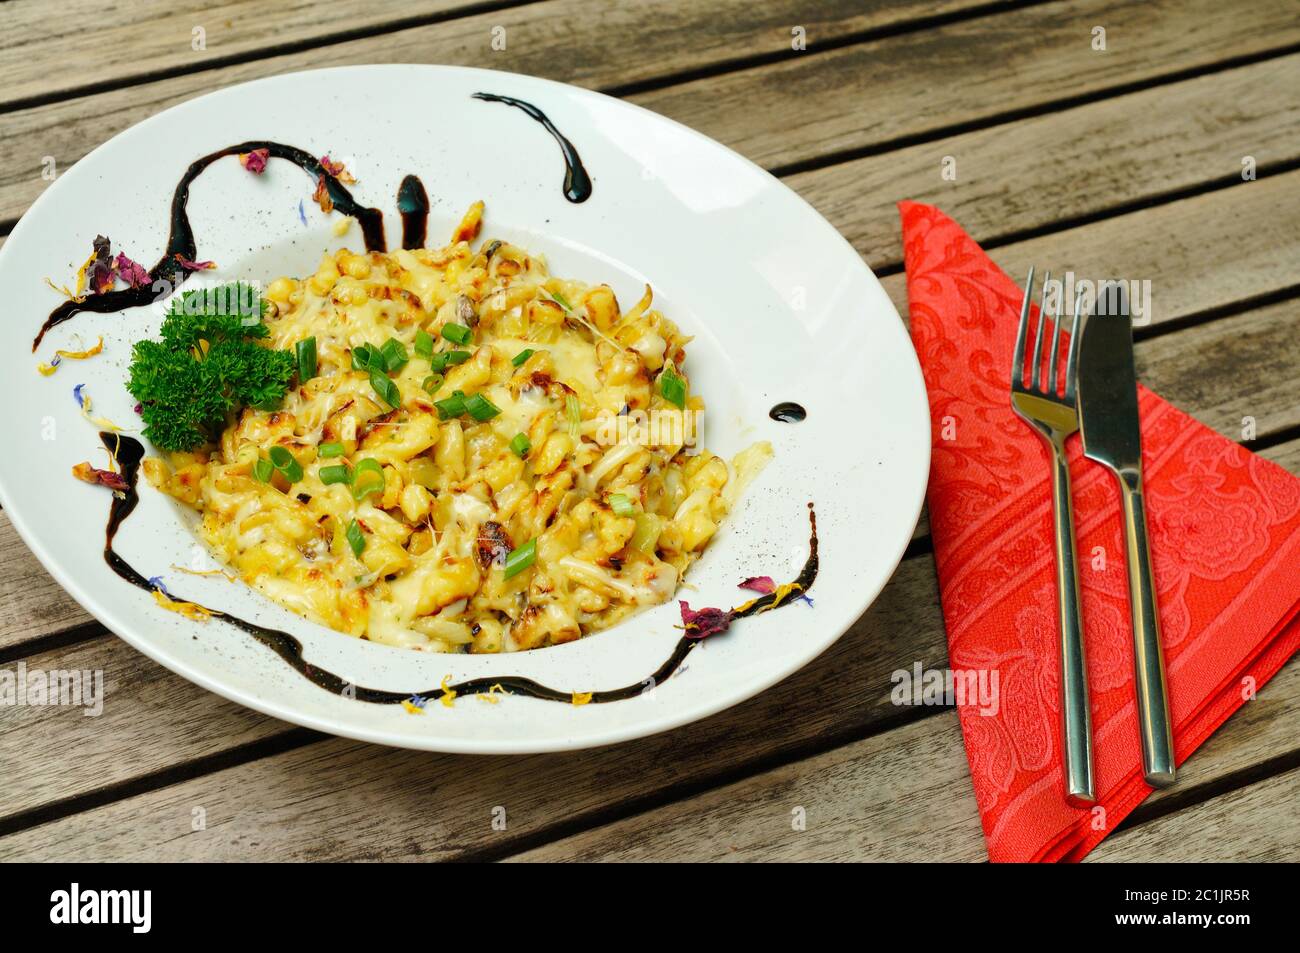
456,499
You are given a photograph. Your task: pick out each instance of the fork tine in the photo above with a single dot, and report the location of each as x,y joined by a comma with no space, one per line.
1054,355
1072,360
1038,338
1018,360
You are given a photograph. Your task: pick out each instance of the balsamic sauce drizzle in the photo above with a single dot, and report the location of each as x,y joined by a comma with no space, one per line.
577,184
129,452
168,274
788,412
413,204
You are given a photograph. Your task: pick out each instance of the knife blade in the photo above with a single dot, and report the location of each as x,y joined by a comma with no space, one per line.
1108,410
1111,431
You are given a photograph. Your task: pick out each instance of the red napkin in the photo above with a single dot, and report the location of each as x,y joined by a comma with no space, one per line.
1225,541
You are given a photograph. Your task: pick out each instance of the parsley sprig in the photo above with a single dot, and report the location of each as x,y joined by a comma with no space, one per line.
207,366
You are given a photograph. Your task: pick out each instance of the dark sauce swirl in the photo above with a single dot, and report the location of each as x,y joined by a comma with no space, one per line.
577,184
129,452
413,205
168,275
788,412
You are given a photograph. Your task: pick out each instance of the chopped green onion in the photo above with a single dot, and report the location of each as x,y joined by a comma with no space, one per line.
521,445
573,411
356,539
424,344
457,333
263,470
438,362
306,353
385,388
673,387
367,478
338,473
394,354
365,357
559,299
432,383
621,504
332,449
480,408
284,461
525,354
521,558
450,407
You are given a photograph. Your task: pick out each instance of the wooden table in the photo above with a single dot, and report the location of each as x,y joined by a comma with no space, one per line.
1127,160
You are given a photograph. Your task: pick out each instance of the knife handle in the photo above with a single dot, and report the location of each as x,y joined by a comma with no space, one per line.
1076,717
1148,655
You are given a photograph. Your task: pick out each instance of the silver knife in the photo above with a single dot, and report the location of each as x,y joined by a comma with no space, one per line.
1108,421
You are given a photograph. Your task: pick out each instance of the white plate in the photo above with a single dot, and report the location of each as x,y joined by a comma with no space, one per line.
782,308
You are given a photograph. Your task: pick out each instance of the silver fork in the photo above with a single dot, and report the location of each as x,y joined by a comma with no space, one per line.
1054,417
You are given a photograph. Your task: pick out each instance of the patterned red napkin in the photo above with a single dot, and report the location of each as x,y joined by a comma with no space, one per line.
1225,541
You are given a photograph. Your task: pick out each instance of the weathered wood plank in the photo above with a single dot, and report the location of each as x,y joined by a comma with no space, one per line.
866,95
1231,369
905,795
671,37
1027,175
846,689
149,719
1256,229
86,45
883,92
570,40
32,604
1256,823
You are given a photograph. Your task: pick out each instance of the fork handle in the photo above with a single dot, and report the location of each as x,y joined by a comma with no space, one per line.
1148,656
1076,717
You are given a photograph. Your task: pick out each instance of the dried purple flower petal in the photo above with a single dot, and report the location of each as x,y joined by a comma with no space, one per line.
132,272
766,585
255,161
100,272
109,478
194,265
702,623
322,196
